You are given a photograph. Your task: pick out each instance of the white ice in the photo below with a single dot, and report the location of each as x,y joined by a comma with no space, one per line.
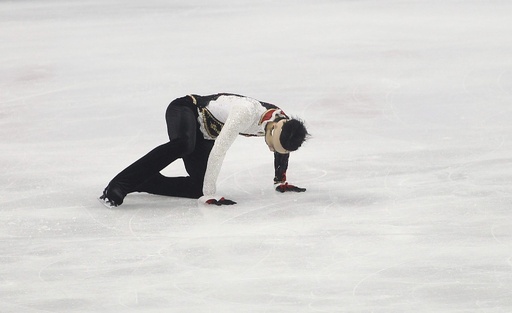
408,172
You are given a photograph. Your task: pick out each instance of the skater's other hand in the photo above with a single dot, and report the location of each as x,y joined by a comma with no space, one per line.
221,201
285,187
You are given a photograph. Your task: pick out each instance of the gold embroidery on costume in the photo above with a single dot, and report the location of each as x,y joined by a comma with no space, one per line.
194,100
212,125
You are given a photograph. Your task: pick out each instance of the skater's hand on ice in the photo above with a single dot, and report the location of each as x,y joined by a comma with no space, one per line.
285,187
221,201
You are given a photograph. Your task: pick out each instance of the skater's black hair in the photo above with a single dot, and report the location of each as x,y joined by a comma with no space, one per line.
293,134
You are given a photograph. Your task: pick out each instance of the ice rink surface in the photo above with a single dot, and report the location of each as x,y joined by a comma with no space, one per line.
408,172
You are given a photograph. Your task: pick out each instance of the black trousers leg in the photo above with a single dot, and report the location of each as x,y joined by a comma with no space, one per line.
189,186
182,130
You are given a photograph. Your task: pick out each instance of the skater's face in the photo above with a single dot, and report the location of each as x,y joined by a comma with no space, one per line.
272,135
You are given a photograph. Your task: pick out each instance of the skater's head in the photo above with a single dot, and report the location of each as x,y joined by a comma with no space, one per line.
286,135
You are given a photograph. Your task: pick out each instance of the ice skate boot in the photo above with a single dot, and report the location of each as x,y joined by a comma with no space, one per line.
111,197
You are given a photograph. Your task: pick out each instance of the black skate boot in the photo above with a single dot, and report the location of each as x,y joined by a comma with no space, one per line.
112,197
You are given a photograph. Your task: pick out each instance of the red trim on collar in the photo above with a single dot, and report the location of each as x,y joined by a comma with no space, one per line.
267,115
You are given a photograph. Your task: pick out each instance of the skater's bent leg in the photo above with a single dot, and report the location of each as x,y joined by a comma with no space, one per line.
181,125
187,187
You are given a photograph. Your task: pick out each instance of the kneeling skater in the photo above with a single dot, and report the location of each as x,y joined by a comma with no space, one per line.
201,129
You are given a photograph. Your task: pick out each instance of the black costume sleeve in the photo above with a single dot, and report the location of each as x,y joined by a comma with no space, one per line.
280,166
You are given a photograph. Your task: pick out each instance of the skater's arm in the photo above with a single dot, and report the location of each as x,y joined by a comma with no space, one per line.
240,118
280,166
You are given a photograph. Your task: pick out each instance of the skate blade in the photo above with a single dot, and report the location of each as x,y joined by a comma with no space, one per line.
106,203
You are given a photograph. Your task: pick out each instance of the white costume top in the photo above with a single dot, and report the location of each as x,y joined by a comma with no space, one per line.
224,116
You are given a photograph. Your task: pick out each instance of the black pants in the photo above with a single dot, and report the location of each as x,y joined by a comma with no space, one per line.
186,142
